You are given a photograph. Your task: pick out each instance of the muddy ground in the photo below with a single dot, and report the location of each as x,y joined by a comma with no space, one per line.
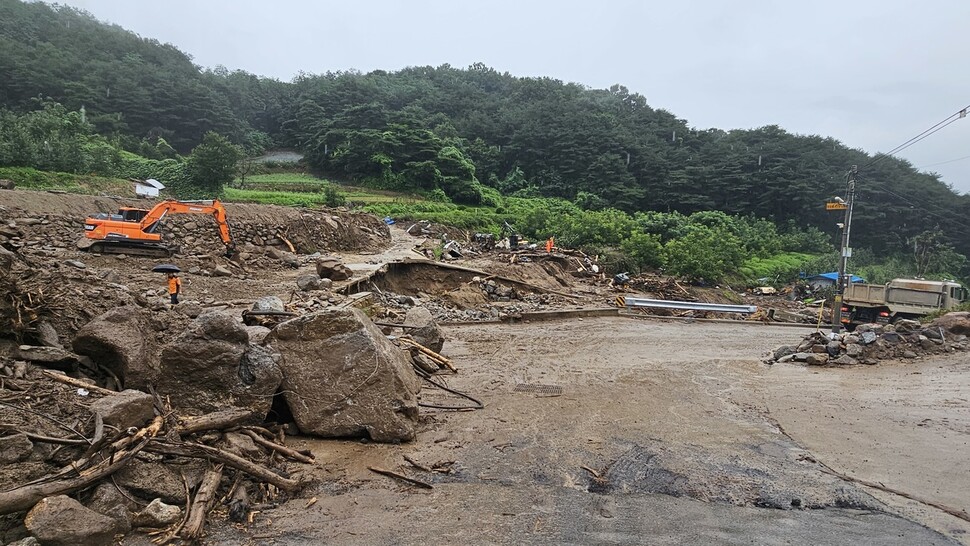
598,430
683,426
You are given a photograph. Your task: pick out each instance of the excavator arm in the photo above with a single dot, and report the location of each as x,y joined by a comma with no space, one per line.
212,208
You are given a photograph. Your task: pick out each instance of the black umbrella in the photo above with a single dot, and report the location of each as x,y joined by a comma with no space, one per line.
166,268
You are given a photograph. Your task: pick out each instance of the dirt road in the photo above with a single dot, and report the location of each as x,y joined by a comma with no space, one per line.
670,420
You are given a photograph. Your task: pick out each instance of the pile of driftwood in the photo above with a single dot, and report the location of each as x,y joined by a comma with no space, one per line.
98,451
662,288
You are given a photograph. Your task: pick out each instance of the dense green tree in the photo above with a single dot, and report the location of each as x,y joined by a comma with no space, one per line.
212,164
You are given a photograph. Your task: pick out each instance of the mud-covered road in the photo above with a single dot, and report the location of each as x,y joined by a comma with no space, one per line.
664,433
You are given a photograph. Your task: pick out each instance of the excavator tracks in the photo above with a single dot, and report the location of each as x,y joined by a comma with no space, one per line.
131,249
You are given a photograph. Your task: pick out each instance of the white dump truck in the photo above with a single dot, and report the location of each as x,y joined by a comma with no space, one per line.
898,299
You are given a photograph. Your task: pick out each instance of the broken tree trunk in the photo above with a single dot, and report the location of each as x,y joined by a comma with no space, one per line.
204,499
215,421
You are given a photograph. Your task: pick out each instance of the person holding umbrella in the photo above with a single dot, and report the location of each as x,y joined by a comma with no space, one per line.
174,287
174,282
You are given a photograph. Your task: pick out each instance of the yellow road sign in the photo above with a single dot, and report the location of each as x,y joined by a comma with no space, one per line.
836,206
620,301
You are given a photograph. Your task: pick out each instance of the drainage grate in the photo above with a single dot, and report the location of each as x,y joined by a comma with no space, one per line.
538,389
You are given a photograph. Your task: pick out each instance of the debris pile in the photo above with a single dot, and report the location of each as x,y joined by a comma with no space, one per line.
870,343
131,460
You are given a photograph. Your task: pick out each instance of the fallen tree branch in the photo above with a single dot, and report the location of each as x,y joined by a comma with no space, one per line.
416,464
200,451
61,378
287,452
429,353
401,477
23,498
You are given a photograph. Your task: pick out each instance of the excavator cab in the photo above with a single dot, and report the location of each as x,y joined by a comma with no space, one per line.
129,214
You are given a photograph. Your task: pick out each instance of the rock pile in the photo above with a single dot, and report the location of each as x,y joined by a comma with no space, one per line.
870,343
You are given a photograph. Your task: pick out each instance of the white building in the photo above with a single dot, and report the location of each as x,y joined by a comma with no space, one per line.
148,188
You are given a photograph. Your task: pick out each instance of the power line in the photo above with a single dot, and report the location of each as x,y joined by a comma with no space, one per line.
959,114
944,162
924,206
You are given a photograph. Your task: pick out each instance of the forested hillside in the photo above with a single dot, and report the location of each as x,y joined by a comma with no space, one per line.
464,132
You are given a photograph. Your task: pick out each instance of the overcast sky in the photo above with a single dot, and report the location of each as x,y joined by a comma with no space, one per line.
869,73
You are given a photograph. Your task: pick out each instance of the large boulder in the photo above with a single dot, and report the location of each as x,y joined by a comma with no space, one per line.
332,268
419,323
211,366
342,377
63,521
123,341
957,323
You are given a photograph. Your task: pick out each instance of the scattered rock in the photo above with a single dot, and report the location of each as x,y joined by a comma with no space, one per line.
221,271
907,325
342,377
853,349
153,480
307,283
909,354
269,303
421,326
49,357
63,521
75,263
783,351
47,335
128,408
15,448
157,514
868,337
845,360
817,359
191,309
331,268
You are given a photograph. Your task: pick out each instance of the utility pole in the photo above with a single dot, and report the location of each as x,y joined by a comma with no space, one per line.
844,252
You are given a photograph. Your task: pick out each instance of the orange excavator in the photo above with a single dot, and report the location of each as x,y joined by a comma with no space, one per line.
135,231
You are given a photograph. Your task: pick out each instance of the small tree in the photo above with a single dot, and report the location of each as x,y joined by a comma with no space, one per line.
212,164
643,250
704,254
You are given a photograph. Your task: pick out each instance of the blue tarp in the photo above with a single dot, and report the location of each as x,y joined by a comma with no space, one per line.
834,276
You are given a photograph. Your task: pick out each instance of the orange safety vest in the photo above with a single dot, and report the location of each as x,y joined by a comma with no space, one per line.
549,245
174,285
